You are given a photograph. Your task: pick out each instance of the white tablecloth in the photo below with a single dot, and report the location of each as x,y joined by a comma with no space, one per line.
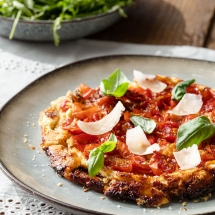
23,62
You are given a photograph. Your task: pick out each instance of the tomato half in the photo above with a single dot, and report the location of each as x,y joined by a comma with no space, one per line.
119,164
167,130
71,126
64,105
89,147
160,164
123,150
86,91
141,165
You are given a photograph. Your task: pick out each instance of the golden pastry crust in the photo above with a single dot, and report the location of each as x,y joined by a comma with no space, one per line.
151,180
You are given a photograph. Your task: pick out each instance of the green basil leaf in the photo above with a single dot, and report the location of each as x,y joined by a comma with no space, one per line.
194,132
148,125
116,85
96,157
180,89
107,146
112,137
95,162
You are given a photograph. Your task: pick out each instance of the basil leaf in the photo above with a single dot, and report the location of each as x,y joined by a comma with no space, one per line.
116,85
107,146
194,132
148,125
96,157
180,89
95,162
112,137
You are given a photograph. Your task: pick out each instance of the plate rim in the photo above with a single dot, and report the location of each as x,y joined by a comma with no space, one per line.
46,198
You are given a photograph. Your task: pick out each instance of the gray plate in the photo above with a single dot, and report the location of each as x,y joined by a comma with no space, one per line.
29,168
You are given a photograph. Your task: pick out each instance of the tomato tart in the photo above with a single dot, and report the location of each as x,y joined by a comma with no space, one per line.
150,139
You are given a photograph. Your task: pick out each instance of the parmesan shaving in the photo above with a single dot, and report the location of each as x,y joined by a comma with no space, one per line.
105,124
189,104
188,158
147,81
138,143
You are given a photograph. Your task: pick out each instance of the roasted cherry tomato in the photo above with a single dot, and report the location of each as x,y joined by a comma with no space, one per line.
167,130
86,138
64,106
123,150
141,165
160,164
89,147
86,91
119,164
71,126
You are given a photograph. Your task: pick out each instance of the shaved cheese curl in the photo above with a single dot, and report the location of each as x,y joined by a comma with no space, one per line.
138,143
105,124
147,81
151,149
188,158
189,104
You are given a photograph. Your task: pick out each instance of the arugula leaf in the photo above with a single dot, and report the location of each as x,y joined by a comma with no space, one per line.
95,162
116,84
96,157
180,89
23,8
148,125
56,26
15,24
194,132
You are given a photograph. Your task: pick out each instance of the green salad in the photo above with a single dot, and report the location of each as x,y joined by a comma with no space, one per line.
57,11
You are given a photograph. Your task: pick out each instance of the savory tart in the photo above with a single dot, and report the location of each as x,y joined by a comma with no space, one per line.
150,140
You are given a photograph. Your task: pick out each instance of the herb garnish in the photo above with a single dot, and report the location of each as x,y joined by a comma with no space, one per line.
96,157
115,85
148,125
180,89
194,132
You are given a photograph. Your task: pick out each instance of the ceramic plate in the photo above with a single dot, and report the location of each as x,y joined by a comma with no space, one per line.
19,132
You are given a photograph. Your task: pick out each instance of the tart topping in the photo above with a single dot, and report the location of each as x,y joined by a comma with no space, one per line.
115,85
138,143
105,124
96,157
189,104
147,81
194,132
180,89
188,158
148,125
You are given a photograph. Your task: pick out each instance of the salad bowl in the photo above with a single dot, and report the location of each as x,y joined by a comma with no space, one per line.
19,26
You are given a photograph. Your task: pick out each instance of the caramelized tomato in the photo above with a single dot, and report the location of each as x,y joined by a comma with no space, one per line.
160,164
119,164
64,106
167,130
71,126
123,150
141,165
89,147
